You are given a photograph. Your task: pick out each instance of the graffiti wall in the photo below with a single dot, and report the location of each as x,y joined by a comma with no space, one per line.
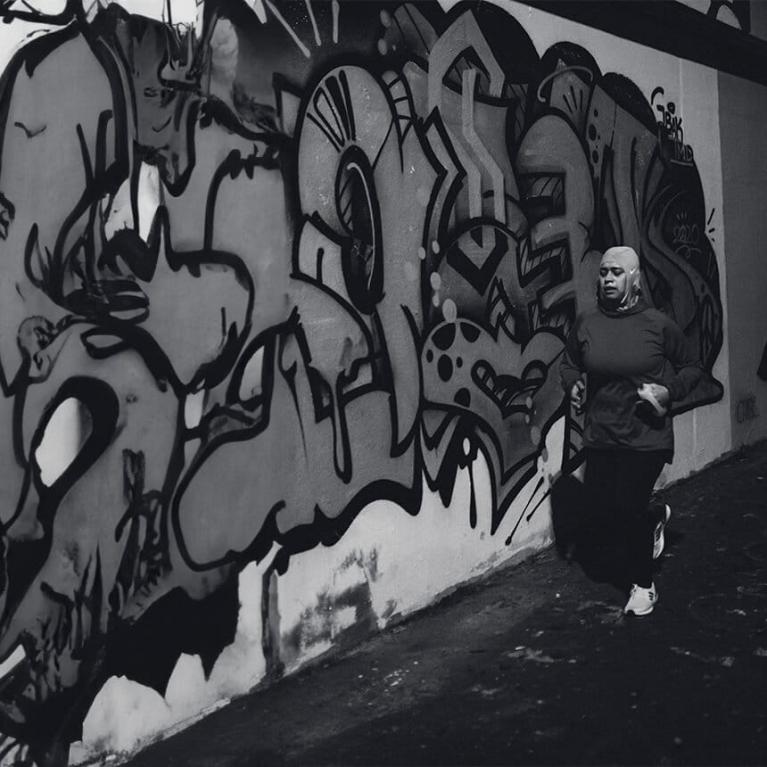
284,287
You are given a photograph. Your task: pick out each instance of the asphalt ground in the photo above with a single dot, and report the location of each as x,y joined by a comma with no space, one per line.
537,665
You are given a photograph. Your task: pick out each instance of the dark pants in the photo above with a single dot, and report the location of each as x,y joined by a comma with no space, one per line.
618,487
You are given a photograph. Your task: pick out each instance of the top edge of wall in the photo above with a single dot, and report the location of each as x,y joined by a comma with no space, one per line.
671,27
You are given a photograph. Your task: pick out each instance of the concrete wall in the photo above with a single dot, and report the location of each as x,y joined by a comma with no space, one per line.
743,110
281,311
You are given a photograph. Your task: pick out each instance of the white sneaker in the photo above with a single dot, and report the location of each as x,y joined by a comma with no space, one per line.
641,600
658,539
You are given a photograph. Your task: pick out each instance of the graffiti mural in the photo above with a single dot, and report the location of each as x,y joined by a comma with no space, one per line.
264,268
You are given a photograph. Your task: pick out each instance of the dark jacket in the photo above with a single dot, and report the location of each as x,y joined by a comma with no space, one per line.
618,352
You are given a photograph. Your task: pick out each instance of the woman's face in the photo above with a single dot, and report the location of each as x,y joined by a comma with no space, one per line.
612,281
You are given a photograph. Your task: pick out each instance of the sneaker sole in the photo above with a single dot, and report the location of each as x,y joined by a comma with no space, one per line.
639,613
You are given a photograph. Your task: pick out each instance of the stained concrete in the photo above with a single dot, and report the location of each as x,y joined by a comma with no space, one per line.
537,665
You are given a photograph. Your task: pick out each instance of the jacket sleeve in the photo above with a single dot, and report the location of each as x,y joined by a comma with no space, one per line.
687,367
571,366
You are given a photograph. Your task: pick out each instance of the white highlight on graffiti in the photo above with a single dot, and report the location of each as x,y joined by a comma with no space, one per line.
120,214
449,310
250,386
92,7
199,17
336,7
257,6
13,660
277,15
149,198
224,57
193,406
62,440
310,11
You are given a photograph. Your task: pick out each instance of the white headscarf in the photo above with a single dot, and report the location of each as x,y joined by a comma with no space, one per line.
628,260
